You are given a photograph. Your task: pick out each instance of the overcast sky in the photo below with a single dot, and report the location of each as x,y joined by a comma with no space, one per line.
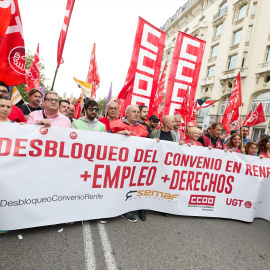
110,24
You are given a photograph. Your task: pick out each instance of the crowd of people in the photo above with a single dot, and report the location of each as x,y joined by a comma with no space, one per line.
53,112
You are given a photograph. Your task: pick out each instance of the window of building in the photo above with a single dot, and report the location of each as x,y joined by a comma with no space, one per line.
210,71
218,30
254,8
237,37
223,105
222,8
204,112
265,99
267,54
232,62
257,133
249,33
242,12
214,51
244,59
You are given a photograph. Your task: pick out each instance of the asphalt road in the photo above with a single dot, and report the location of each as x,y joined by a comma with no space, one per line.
174,242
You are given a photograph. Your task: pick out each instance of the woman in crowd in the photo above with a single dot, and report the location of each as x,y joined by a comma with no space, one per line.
5,109
264,147
234,144
251,149
194,134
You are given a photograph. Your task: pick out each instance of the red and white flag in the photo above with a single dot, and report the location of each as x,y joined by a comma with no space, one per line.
32,79
122,97
184,74
232,109
63,33
12,50
93,74
145,64
257,117
159,96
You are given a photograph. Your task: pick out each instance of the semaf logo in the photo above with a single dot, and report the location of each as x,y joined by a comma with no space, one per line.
155,194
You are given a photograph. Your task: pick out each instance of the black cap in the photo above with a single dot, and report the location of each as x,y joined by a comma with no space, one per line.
153,118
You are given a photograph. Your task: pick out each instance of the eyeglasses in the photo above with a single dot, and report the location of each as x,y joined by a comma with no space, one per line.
4,91
112,108
52,100
93,109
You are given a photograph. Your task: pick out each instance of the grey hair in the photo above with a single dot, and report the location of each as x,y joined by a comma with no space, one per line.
176,116
128,108
113,102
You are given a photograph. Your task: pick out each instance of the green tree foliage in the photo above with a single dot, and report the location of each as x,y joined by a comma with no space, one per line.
101,105
28,60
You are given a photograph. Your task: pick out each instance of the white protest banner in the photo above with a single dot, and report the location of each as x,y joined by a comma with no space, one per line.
56,175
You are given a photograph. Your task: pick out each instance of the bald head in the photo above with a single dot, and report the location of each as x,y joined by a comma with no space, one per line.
167,123
71,111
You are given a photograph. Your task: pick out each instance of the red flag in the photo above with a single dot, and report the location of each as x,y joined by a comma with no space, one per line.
257,117
12,51
63,33
123,95
232,109
159,96
145,63
93,74
184,74
238,124
248,116
32,78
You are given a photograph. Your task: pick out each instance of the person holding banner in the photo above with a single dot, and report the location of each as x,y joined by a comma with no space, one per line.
264,147
112,110
213,137
176,128
251,149
89,122
234,144
16,114
50,116
193,136
5,109
35,97
129,126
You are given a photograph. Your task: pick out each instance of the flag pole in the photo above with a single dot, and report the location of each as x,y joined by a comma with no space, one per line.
241,115
54,78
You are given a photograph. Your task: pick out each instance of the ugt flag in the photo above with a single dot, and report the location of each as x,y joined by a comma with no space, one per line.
12,51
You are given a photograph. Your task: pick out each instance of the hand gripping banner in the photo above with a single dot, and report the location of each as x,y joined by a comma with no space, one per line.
184,74
56,175
145,64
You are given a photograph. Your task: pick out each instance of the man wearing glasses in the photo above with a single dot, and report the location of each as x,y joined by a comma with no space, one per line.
16,114
50,115
112,110
89,122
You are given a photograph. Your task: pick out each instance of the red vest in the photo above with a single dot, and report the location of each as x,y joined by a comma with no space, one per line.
138,130
106,121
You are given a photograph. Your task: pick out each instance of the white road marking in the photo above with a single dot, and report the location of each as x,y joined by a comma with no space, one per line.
89,251
109,257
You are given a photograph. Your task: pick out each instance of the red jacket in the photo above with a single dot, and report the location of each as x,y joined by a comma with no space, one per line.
136,130
16,115
106,122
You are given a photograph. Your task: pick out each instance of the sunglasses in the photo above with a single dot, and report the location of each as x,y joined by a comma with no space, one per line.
93,109
155,121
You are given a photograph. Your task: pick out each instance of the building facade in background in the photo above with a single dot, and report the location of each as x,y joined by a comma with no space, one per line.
237,35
